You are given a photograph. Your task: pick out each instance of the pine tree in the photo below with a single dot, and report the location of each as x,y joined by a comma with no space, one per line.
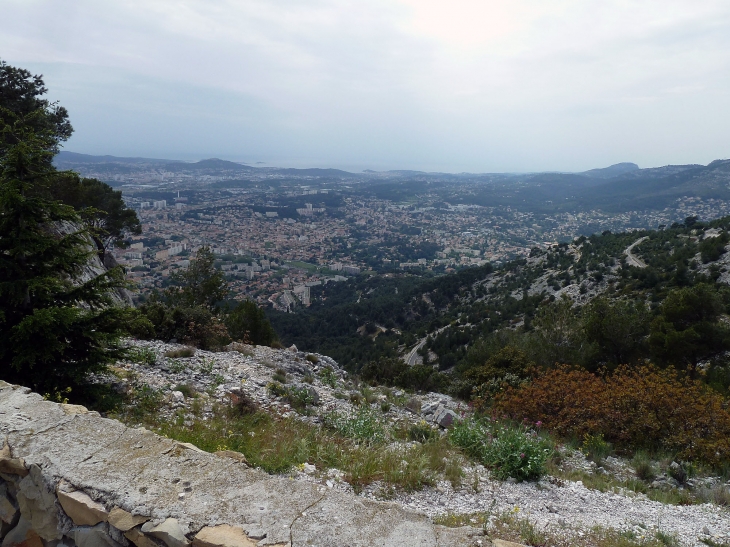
56,324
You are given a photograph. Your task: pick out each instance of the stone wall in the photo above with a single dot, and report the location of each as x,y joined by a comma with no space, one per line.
69,477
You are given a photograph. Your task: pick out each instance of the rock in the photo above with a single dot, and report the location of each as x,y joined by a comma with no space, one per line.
677,472
9,512
308,468
96,536
10,465
222,536
445,418
139,539
22,535
314,396
707,531
82,510
38,505
233,455
73,410
177,397
169,532
429,409
293,348
256,533
124,520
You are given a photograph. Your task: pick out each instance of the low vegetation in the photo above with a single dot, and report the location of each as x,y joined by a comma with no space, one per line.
632,408
358,446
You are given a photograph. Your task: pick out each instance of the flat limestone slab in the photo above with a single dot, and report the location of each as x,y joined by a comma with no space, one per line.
145,474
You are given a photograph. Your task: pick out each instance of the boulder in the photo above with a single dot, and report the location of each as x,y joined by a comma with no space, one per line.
222,536
124,520
81,509
169,532
445,418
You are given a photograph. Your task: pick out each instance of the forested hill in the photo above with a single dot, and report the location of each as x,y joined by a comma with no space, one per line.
365,319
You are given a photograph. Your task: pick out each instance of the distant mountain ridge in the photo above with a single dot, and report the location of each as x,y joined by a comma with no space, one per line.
611,171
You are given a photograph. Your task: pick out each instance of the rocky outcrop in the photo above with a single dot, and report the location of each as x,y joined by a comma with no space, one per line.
69,477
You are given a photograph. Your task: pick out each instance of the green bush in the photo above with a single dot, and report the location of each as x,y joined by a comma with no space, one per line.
595,447
364,425
328,377
508,450
422,432
142,356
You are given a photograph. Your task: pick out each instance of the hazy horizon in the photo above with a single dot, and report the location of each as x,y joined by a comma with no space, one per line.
468,86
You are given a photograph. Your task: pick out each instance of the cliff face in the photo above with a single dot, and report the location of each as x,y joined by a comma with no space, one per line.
98,264
69,477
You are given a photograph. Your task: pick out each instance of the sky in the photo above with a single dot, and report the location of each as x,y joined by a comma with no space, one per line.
436,85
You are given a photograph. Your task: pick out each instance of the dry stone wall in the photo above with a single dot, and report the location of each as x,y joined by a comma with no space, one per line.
69,477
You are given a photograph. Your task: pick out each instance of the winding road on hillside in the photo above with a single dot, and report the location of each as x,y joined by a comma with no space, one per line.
631,259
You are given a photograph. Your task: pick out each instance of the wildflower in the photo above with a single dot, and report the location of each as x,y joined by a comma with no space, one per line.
522,455
538,423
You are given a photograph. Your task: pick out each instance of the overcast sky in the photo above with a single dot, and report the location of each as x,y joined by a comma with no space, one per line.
450,85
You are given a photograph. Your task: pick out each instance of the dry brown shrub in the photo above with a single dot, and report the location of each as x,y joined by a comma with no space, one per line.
633,407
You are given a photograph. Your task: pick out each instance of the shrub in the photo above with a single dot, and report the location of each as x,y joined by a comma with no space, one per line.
299,397
312,358
414,405
516,451
279,376
643,466
142,356
276,389
364,425
595,447
242,404
422,432
181,352
634,408
508,450
328,377
186,389
196,325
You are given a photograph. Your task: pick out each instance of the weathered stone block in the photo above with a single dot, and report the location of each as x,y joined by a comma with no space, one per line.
124,520
82,510
168,531
38,505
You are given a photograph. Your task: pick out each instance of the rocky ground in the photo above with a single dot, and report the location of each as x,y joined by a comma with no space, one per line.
565,507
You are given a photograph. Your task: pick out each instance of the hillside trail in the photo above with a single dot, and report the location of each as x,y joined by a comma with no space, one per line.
631,259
